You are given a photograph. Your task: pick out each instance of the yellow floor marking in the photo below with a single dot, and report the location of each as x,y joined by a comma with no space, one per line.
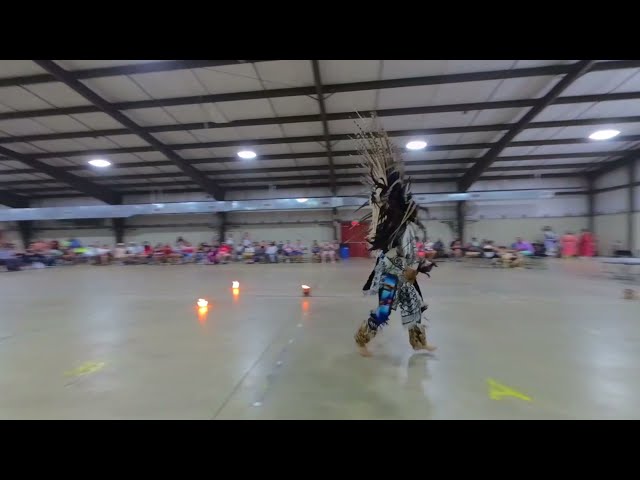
85,369
497,391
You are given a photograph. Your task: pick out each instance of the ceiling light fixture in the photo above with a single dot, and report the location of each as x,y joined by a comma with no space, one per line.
302,200
416,145
247,154
604,134
99,162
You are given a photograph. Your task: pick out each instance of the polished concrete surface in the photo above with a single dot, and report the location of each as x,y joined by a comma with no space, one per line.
127,342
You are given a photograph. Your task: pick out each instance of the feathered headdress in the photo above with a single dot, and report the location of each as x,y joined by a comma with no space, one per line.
392,207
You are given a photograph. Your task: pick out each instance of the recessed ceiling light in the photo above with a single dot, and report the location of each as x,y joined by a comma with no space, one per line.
99,162
416,145
247,154
604,134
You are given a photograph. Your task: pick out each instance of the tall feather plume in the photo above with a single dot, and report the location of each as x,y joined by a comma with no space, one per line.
390,197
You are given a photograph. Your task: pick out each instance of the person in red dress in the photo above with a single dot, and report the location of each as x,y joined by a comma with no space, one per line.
569,243
587,245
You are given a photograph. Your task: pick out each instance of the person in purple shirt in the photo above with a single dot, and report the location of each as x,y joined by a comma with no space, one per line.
522,246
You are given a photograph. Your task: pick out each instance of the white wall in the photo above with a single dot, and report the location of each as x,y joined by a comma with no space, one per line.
499,221
10,234
101,236
610,229
505,231
613,201
306,226
167,228
611,207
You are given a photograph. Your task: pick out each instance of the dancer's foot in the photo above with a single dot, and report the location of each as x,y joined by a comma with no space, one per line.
364,351
427,347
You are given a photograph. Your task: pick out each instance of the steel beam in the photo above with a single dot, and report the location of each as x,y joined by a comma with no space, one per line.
12,200
135,69
181,127
552,70
317,79
68,79
78,183
591,204
319,138
339,153
118,229
631,174
295,173
577,70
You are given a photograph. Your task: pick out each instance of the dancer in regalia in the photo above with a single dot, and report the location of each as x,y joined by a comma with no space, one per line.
394,229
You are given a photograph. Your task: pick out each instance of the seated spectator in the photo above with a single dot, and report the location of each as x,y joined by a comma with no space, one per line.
539,249
239,252
298,251
420,247
9,258
272,253
315,252
120,253
212,254
439,248
260,252
328,252
489,250
200,255
429,250
187,251
38,255
103,255
456,248
147,253
248,254
522,246
474,246
224,253
287,251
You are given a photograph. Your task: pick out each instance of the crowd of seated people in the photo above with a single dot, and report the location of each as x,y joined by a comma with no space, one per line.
41,254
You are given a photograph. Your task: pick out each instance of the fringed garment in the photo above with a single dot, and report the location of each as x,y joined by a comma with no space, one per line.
393,232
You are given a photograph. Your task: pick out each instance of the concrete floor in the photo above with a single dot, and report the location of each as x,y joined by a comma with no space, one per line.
127,342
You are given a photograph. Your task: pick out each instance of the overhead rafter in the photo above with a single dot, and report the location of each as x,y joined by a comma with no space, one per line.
296,173
78,183
252,183
577,70
600,169
68,79
317,79
351,87
134,69
12,200
314,139
343,153
183,127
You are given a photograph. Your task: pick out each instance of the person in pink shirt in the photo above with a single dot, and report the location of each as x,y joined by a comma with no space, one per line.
569,243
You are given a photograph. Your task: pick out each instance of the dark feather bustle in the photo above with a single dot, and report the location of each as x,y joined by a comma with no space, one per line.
392,207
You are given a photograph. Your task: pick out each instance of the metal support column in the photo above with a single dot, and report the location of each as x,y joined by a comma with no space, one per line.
26,232
631,171
222,226
591,205
460,208
118,229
